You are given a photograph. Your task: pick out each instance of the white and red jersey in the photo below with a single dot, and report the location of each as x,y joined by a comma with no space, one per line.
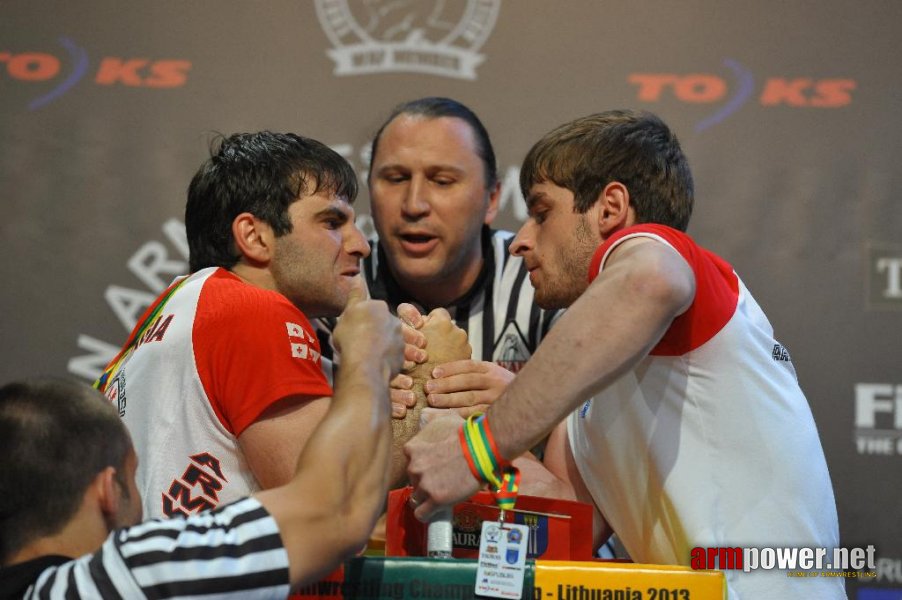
203,363
709,441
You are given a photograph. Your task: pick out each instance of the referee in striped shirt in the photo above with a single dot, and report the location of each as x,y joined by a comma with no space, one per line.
434,192
69,504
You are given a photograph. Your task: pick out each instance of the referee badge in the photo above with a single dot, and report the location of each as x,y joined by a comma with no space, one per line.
511,350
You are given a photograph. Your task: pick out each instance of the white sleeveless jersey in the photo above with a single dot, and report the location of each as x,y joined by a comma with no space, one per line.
709,441
203,363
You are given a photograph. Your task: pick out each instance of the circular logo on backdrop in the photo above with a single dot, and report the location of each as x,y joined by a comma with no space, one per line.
436,37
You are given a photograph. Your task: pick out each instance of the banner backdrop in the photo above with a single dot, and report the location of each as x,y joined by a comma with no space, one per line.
789,113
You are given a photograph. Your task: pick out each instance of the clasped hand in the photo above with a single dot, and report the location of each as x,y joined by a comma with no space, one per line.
467,386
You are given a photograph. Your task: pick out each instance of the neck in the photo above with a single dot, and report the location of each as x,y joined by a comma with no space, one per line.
256,276
448,288
83,534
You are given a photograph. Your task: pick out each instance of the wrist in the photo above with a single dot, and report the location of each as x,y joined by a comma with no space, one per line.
486,464
480,451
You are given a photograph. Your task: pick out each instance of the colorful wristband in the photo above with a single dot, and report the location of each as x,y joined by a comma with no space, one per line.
485,463
468,453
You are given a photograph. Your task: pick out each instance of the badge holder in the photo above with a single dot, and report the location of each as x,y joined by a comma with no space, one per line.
502,547
502,559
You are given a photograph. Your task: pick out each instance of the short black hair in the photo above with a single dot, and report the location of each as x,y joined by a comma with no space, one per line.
434,107
56,435
261,173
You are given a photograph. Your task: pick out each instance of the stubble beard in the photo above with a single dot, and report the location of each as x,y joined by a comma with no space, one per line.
292,273
573,278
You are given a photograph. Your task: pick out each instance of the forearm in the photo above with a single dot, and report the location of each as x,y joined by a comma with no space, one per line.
607,331
352,449
327,511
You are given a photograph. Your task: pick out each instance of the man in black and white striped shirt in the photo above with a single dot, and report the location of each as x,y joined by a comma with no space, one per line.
434,192
69,502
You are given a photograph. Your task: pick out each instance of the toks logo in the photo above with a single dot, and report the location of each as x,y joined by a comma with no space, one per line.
704,88
40,67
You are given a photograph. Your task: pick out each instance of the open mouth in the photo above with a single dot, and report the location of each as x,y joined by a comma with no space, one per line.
417,244
413,238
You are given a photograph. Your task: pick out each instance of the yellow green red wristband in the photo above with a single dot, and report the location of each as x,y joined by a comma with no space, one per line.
485,463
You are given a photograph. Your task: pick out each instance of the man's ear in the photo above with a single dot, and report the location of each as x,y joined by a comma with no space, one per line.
254,238
108,493
494,199
615,211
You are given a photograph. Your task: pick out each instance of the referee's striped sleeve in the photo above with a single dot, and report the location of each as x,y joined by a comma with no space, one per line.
234,551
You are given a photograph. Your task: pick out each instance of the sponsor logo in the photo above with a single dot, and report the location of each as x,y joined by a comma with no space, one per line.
780,353
731,92
803,562
466,529
115,393
884,280
467,520
198,489
878,419
434,37
492,534
57,72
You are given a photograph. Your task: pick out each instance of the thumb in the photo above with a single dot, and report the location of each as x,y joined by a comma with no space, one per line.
357,293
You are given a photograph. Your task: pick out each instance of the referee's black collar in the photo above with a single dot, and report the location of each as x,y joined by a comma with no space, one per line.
385,286
16,579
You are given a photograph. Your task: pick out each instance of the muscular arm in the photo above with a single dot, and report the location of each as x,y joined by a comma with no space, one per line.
608,330
272,443
644,286
327,510
559,462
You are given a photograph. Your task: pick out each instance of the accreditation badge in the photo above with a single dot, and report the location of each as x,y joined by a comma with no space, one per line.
502,560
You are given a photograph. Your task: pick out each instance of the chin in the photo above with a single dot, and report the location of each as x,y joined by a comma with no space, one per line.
324,309
551,301
547,303
418,273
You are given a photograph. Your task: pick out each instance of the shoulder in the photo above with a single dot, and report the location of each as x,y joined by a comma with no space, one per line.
226,296
677,241
158,549
229,309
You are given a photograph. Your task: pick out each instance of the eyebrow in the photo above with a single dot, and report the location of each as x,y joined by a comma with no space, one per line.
533,198
335,212
429,168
